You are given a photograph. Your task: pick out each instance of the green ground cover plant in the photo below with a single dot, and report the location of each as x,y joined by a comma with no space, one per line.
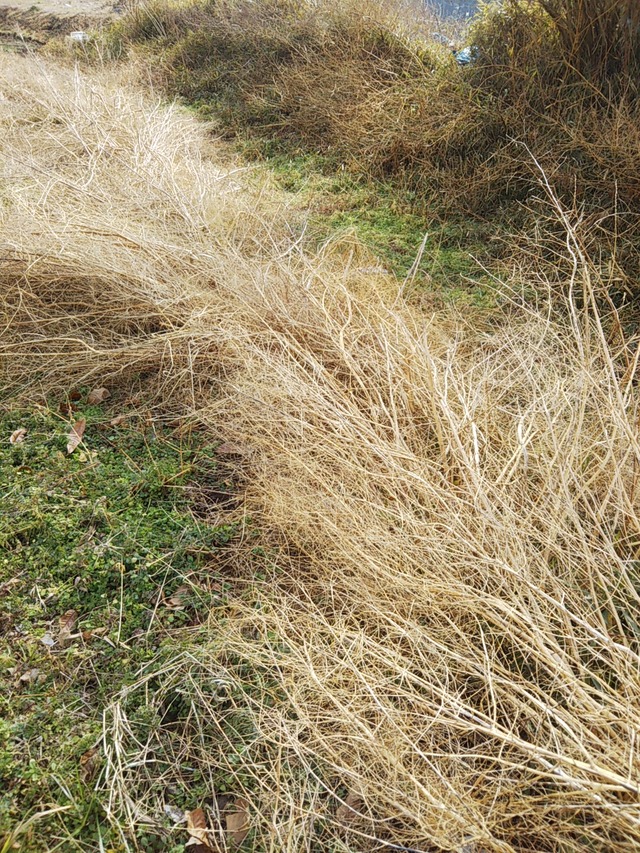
105,570
335,203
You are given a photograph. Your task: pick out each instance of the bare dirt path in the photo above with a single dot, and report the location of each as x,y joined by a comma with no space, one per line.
28,24
61,8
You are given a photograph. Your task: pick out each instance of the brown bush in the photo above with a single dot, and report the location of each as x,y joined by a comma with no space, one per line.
599,39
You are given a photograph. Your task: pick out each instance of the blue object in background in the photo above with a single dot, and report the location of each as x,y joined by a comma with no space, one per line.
466,56
453,8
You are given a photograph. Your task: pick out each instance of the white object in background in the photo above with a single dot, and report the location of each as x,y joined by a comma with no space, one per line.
80,37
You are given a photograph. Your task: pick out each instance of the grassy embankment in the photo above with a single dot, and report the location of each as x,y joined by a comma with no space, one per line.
410,142
434,646
226,62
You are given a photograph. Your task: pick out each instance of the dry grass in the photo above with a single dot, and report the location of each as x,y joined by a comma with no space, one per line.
442,650
367,86
600,40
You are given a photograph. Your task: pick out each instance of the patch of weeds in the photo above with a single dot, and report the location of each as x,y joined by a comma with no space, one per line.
103,569
385,219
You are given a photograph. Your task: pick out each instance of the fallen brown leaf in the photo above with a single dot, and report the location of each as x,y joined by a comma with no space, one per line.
178,600
75,396
18,436
75,436
67,624
89,764
94,632
348,811
238,821
32,676
98,395
197,829
119,419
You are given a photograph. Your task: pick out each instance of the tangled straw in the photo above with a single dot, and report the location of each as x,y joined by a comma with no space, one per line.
440,651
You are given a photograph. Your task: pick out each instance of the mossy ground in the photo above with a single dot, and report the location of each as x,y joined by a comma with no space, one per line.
106,539
391,223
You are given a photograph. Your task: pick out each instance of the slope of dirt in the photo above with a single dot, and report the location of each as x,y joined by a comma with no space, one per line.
25,25
59,8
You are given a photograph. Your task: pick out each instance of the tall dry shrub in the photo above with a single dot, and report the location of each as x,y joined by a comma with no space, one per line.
600,39
440,650
564,75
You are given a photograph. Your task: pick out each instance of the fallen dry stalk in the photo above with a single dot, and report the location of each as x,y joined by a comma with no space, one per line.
443,652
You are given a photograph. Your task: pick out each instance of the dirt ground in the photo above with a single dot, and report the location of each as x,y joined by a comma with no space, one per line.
62,8
26,25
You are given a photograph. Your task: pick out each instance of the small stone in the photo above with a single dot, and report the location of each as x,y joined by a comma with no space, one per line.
174,814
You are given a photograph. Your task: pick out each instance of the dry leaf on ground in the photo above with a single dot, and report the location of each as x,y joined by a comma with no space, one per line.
119,419
17,436
98,395
67,625
75,436
179,598
348,811
32,676
94,632
199,834
238,821
89,763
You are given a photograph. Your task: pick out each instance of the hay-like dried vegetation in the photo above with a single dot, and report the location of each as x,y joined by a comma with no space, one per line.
440,650
368,84
369,88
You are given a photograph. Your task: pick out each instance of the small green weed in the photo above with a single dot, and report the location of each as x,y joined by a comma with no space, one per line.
103,568
385,219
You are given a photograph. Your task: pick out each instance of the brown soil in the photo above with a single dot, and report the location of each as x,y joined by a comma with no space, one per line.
28,24
62,8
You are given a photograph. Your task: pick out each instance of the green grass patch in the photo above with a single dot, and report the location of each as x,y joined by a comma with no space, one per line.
391,223
104,569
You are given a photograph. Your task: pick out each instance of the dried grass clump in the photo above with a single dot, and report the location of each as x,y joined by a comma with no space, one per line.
441,650
458,515
368,86
112,209
601,40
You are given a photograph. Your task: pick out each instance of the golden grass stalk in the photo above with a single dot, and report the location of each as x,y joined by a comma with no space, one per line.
441,651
